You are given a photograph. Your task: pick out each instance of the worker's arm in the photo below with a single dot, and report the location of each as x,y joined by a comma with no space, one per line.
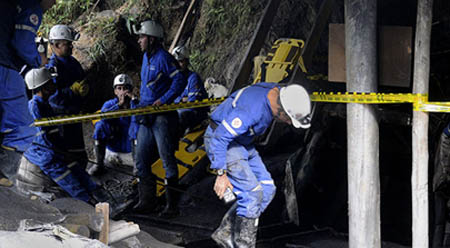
27,24
235,124
178,82
195,88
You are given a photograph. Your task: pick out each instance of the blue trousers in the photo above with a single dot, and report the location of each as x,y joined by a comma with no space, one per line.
116,137
252,183
71,177
15,119
160,135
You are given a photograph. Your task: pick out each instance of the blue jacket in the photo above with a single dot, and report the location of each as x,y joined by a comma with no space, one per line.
119,127
41,151
244,115
160,79
69,71
19,23
194,89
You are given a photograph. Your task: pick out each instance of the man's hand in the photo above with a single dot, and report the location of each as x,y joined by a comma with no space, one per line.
80,88
221,185
157,103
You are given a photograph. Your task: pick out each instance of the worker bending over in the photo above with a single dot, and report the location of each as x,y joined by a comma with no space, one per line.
70,87
229,144
111,135
48,150
19,23
194,91
161,83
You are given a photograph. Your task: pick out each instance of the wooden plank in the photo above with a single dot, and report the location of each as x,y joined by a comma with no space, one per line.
394,53
257,41
187,15
103,208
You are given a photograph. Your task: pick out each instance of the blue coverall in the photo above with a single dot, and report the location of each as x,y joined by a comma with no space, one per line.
65,101
19,22
114,131
47,152
229,145
160,80
194,91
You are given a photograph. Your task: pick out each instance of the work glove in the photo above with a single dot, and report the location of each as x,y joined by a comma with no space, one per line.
80,88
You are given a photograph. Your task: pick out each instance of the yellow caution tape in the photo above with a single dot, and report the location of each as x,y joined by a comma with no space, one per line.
61,120
419,101
368,98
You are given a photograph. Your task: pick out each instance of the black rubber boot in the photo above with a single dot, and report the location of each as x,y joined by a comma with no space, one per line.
223,234
244,233
172,196
99,166
147,196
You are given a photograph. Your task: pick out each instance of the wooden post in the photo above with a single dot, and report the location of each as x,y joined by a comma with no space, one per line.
362,126
104,233
419,180
264,24
181,28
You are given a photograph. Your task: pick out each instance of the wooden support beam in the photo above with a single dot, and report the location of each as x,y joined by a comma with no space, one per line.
362,125
257,41
316,32
187,15
419,180
103,208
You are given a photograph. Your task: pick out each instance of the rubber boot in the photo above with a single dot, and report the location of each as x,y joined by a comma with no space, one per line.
147,196
172,196
223,234
244,233
99,166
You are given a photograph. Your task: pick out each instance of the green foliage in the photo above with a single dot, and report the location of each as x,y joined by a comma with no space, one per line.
64,12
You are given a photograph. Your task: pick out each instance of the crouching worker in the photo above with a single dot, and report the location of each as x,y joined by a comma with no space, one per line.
194,91
111,135
228,141
48,148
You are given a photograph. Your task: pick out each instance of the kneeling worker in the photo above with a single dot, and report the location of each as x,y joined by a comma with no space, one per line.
48,148
112,134
229,144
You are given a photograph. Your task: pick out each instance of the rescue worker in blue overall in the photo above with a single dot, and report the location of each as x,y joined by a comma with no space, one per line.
194,91
70,86
49,145
228,141
19,23
161,83
112,134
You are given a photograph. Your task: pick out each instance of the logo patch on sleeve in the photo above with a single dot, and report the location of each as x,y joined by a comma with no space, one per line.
236,123
34,19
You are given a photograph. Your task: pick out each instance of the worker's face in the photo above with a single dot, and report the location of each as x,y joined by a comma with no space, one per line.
63,48
47,4
183,64
121,90
283,117
144,42
48,90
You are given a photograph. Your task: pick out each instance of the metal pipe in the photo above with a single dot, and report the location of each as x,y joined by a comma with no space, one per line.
419,179
362,126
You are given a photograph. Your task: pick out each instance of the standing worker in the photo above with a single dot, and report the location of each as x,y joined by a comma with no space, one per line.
194,91
112,134
19,23
161,83
70,87
229,144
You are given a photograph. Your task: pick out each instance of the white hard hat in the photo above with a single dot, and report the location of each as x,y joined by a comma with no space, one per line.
35,78
180,53
296,103
122,79
63,32
150,28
